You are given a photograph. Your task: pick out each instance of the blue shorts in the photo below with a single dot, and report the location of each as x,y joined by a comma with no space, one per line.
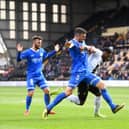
39,81
87,77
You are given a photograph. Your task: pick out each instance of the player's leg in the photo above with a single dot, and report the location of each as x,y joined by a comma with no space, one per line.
42,83
59,98
97,101
74,81
96,81
30,93
82,92
46,95
74,99
56,101
115,108
47,99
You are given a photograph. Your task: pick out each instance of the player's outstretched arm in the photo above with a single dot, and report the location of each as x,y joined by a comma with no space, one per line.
91,49
68,44
85,47
52,53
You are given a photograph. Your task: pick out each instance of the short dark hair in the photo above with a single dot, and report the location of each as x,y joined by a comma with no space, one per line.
108,49
80,30
36,37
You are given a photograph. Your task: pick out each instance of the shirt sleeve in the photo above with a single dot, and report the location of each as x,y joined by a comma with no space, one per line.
98,52
18,56
48,54
22,55
73,45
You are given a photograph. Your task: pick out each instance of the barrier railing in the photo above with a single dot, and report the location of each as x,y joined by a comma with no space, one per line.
111,83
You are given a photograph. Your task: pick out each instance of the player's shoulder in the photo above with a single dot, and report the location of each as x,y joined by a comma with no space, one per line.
71,41
27,50
42,50
74,42
98,52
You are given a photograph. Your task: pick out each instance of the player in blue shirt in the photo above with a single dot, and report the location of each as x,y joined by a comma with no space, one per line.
80,72
35,57
95,59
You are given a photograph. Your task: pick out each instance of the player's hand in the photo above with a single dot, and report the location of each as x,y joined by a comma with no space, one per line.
82,48
57,47
19,47
86,47
67,44
91,49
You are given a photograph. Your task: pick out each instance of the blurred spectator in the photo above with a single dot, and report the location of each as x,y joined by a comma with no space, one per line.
58,68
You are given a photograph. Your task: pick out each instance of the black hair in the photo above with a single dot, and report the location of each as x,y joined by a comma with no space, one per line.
79,30
108,49
36,37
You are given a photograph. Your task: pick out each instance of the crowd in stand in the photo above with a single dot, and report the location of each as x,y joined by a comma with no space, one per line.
58,68
116,68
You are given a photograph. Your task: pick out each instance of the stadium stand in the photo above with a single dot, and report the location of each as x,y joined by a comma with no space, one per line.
116,69
97,24
59,68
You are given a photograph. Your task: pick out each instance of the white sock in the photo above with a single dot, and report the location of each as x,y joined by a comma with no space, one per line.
74,99
97,103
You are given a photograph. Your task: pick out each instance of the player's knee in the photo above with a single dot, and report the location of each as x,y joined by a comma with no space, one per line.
46,91
98,94
101,85
31,93
68,91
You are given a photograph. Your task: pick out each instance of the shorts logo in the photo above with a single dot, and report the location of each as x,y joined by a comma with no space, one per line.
31,81
41,54
77,77
32,55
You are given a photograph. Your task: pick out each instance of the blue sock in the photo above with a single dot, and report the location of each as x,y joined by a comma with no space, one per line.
28,102
58,99
107,98
46,99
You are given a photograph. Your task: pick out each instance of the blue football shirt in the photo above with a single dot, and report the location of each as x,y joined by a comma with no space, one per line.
34,60
79,58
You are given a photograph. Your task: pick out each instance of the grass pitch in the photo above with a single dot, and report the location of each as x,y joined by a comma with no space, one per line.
68,115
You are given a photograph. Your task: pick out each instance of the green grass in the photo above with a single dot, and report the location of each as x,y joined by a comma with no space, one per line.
69,116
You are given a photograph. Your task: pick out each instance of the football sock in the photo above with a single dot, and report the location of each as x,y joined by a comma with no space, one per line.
74,99
107,98
97,103
58,99
46,99
28,102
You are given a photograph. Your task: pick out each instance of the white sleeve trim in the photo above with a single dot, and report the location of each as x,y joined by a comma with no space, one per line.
98,52
71,45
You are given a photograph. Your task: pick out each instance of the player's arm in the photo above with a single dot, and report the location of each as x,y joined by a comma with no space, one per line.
86,47
20,53
69,44
98,52
52,53
95,50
